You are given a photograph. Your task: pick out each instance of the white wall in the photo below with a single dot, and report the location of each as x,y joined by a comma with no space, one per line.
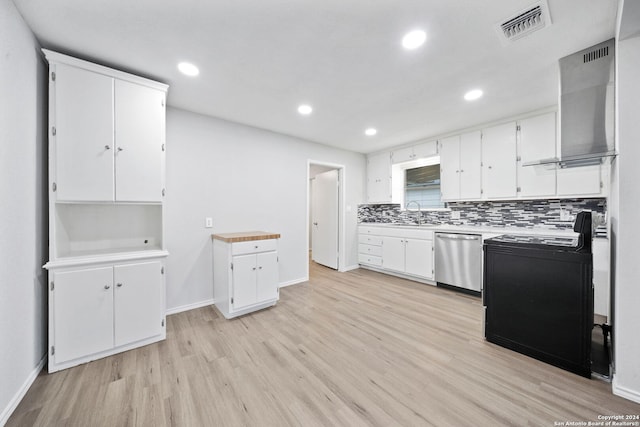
23,226
245,179
625,214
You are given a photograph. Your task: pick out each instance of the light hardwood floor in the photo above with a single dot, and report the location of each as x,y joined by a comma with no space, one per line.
344,349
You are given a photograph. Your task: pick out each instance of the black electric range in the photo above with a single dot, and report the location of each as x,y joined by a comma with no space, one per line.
538,296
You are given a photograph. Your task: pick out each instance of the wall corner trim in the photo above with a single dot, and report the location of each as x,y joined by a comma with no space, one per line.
633,395
294,282
187,307
349,268
15,401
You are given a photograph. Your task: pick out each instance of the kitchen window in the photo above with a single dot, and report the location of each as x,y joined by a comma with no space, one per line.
417,181
422,185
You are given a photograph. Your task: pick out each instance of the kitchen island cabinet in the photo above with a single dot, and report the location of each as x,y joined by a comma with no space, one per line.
245,272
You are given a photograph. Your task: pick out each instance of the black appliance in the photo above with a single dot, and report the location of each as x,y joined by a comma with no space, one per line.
538,296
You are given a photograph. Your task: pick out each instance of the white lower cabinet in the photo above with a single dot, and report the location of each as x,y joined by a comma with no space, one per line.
245,276
96,311
398,250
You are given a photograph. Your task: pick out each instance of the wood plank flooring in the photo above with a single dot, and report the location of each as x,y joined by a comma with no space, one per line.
344,349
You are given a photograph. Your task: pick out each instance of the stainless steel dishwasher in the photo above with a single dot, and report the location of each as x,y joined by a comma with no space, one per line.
459,261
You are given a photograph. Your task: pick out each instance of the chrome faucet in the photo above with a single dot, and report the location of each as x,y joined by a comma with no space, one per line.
418,212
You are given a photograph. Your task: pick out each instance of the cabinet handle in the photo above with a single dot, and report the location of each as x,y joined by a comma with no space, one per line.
119,285
107,147
107,286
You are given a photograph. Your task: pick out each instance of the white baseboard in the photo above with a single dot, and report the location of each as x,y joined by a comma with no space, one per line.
349,268
627,393
187,307
294,282
13,404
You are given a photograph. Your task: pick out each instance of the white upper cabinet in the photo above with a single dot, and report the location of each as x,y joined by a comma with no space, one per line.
537,142
108,137
460,167
450,168
499,162
470,165
83,133
379,178
580,181
419,151
139,130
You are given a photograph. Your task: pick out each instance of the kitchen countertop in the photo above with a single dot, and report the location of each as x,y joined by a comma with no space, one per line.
477,229
245,236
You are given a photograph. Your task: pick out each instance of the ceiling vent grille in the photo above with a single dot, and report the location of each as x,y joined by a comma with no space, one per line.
595,54
524,22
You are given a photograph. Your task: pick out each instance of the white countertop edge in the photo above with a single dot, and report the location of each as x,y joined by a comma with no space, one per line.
105,258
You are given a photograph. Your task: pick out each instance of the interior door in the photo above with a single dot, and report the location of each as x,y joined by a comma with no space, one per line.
324,219
138,301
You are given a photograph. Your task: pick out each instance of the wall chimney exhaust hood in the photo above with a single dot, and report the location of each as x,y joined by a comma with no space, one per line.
586,114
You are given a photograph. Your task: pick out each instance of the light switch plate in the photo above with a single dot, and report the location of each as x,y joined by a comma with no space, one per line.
208,222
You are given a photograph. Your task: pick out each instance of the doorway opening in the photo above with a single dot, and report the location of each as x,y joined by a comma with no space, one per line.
325,214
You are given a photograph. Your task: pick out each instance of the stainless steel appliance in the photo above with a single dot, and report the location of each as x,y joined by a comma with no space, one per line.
538,296
459,261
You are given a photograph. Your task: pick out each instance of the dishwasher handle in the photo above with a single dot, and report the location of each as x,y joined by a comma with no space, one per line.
457,236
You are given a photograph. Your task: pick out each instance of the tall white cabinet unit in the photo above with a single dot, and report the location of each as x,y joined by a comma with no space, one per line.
106,190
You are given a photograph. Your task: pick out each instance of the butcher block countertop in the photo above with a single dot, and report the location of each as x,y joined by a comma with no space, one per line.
245,236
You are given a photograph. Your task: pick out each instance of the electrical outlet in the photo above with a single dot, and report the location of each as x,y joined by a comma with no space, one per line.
455,214
208,222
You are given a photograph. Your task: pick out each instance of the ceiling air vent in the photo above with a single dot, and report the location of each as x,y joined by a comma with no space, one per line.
524,22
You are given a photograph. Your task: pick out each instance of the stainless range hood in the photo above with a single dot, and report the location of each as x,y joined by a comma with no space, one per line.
587,105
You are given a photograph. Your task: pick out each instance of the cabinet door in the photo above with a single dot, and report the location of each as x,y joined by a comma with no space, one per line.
470,165
450,168
244,281
393,253
499,161
84,135
579,181
379,178
138,301
139,125
426,149
419,258
267,281
402,155
537,142
83,312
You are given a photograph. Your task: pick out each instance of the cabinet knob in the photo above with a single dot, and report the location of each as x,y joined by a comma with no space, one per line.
461,170
256,247
489,167
107,286
120,149
119,285
259,268
107,147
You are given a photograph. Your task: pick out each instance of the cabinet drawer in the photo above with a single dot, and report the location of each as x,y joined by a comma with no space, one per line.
370,240
370,260
253,246
370,249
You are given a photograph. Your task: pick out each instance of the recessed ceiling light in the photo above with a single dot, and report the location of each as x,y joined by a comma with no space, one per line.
414,39
188,69
472,95
370,132
305,110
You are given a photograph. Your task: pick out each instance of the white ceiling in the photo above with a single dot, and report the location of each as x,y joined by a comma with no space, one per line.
260,59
